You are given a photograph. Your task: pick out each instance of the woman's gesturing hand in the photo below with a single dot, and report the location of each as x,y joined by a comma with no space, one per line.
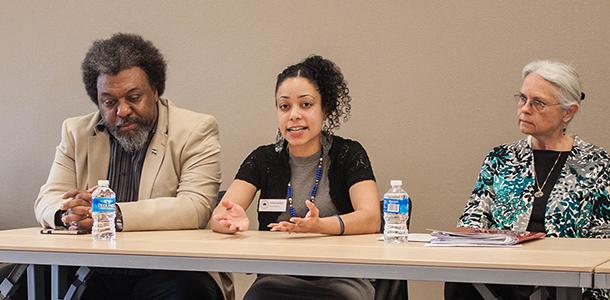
310,223
233,219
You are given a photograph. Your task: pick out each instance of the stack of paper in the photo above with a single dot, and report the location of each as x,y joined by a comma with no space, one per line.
482,237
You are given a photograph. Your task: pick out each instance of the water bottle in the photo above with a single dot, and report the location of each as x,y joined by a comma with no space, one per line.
395,213
104,211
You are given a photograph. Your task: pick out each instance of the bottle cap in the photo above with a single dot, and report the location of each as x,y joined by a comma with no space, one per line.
104,183
395,182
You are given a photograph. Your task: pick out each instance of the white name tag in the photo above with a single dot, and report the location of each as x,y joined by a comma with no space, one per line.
272,205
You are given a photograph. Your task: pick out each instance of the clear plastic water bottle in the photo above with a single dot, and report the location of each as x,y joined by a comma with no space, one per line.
395,213
104,211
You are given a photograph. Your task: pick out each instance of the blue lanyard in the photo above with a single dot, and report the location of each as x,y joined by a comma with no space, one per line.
314,188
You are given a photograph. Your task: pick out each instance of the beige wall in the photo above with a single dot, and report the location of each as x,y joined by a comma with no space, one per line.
431,80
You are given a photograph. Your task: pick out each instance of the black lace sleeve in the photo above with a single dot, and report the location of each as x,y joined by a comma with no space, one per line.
250,170
357,164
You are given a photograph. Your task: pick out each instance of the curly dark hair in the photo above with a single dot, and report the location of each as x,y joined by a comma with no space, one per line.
123,51
329,81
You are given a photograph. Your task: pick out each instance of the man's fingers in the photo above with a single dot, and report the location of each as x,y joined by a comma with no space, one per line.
71,218
80,195
70,194
85,196
80,210
83,224
74,193
86,223
67,204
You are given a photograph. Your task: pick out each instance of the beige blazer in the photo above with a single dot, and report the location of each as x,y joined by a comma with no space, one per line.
179,182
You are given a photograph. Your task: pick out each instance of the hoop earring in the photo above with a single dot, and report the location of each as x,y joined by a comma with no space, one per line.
279,142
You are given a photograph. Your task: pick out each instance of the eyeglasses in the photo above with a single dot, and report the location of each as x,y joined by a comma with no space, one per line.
538,104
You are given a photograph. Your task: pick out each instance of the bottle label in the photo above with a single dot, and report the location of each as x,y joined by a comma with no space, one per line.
396,205
103,205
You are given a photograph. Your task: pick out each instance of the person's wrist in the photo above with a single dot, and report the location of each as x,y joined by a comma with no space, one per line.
326,225
118,219
58,218
341,224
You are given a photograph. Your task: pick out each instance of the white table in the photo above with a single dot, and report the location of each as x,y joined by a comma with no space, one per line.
602,276
564,263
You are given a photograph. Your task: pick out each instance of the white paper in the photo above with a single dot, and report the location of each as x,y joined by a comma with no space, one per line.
414,237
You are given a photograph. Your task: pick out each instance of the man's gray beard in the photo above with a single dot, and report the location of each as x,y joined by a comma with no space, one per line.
134,141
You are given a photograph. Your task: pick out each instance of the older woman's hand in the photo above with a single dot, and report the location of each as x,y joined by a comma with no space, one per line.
310,223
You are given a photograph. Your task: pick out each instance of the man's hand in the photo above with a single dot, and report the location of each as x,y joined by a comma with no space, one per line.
77,207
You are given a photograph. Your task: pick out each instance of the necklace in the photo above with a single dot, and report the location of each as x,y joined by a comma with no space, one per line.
314,188
540,193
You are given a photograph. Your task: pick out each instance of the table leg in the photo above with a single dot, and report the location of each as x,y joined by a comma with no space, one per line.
59,282
540,293
36,282
564,293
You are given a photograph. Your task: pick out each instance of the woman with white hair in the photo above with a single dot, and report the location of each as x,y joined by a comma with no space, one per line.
551,181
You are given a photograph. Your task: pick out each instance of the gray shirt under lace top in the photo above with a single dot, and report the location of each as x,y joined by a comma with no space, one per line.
303,170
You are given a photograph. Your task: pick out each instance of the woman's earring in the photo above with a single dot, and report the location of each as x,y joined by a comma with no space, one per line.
279,142
326,128
326,139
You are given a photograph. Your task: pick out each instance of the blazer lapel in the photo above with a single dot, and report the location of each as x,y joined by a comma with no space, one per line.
155,153
98,158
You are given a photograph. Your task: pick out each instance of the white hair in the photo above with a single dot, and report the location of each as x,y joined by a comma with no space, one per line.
561,75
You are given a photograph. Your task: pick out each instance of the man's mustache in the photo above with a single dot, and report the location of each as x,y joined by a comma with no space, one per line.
122,121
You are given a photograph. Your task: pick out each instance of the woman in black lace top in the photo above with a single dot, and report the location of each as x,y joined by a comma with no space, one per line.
309,180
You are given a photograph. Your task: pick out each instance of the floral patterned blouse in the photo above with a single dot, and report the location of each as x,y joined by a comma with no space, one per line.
503,194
